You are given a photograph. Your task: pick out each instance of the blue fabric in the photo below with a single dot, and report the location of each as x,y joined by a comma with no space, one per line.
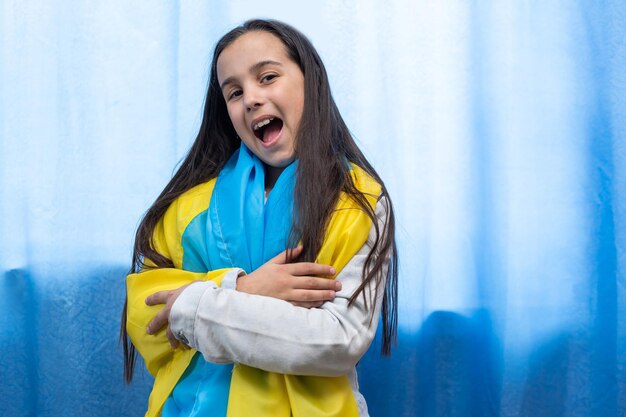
241,231
201,392
499,128
194,242
245,231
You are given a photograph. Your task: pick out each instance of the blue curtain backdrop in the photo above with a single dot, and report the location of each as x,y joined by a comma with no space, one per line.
499,127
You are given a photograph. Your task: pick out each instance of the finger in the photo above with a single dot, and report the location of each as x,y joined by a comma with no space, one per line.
158,322
310,304
157,298
281,258
310,268
315,283
311,295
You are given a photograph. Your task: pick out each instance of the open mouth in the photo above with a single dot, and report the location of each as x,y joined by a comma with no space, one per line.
267,130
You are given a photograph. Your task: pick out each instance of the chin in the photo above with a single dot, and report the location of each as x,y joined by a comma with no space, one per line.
276,161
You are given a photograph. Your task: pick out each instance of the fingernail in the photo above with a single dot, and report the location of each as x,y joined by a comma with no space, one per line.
337,285
148,330
332,271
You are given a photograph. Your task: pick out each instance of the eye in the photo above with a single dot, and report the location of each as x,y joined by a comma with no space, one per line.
234,94
267,78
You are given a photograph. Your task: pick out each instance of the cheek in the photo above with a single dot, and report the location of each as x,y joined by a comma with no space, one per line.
235,118
301,100
298,108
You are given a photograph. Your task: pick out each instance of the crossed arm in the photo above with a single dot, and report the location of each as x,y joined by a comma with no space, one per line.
262,323
295,283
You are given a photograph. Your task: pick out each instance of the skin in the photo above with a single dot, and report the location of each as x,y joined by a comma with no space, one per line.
259,79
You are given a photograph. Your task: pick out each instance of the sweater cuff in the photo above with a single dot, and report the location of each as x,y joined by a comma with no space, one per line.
183,313
229,281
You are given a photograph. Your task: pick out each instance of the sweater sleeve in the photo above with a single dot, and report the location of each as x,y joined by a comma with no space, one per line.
267,333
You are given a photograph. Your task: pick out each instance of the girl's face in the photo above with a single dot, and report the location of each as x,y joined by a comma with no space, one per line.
264,93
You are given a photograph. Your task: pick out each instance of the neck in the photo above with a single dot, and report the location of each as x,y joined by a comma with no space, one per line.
271,176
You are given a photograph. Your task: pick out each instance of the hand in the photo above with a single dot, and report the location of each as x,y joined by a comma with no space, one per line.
162,318
295,282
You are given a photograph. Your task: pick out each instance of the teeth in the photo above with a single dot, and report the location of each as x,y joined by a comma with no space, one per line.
262,123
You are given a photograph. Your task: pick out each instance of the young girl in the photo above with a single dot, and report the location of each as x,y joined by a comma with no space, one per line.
259,272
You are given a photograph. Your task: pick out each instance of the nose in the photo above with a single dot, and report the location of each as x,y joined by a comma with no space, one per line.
252,98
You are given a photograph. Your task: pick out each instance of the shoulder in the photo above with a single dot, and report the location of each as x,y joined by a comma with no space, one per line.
365,184
379,201
191,203
170,229
363,181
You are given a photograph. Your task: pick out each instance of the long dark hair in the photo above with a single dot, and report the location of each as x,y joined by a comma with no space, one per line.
322,147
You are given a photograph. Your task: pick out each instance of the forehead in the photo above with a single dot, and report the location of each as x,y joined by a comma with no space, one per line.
249,49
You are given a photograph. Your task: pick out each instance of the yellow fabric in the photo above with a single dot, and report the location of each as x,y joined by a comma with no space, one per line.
253,392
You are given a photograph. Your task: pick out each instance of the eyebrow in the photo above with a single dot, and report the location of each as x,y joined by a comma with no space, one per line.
253,68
